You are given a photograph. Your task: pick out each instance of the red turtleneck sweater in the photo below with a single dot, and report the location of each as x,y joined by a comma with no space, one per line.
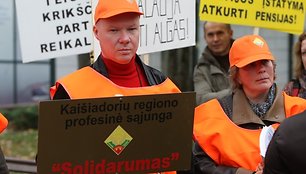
127,75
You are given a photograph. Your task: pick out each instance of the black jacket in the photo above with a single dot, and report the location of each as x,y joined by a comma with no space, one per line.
3,166
154,76
286,153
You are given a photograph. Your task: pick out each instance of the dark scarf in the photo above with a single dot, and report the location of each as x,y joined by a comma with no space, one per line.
261,109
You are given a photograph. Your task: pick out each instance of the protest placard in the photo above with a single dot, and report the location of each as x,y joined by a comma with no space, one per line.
286,16
57,28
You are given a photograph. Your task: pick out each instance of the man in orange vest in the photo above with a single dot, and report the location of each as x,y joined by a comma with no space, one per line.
227,130
3,166
118,71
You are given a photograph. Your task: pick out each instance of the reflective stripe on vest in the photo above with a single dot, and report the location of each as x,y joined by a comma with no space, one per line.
88,83
228,144
3,122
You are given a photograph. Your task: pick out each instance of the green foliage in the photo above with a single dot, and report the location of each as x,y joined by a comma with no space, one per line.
20,139
22,118
19,144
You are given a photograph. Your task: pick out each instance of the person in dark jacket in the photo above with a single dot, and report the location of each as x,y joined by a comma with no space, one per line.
286,152
3,166
117,29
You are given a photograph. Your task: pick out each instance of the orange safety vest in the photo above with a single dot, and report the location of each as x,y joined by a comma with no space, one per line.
3,122
228,144
88,83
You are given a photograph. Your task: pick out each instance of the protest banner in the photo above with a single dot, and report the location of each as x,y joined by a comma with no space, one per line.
6,26
286,16
54,28
57,28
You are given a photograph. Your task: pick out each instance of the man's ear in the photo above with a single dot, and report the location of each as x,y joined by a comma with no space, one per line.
95,31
